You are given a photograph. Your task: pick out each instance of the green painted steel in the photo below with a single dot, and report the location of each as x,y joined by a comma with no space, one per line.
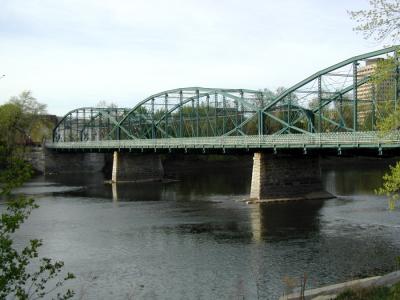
336,140
88,123
337,99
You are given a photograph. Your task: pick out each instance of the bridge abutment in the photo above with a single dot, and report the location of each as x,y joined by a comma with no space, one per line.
276,178
130,167
70,162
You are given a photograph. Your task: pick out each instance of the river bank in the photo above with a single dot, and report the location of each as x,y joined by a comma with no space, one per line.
332,291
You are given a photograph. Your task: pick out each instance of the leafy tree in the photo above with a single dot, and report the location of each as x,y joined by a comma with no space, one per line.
106,104
16,278
23,275
388,120
10,119
29,104
32,116
380,22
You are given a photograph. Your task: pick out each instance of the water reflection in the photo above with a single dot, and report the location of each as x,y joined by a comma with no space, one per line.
282,221
354,176
173,239
114,190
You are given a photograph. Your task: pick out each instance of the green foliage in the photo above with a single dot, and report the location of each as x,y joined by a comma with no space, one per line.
30,120
106,104
375,293
17,279
380,22
13,171
388,119
390,122
28,103
391,185
398,263
10,116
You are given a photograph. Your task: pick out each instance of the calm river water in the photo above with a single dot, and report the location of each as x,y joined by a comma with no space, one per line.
196,238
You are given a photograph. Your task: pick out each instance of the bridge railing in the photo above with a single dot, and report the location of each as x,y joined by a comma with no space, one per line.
334,139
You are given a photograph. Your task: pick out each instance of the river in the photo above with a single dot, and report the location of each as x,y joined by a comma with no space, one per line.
197,239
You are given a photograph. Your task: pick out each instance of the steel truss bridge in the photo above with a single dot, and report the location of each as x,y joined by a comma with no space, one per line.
335,108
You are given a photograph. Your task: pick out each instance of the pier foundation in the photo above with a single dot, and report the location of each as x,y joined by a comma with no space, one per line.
278,178
129,167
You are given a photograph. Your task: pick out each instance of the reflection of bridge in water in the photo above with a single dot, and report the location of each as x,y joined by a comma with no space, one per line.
322,113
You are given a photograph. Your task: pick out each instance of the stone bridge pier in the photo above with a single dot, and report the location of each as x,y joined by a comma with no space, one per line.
279,178
129,167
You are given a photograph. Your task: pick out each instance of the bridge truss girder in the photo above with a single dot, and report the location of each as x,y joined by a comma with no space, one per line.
88,124
327,101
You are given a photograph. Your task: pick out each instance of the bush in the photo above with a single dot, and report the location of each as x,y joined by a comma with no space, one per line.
16,278
375,293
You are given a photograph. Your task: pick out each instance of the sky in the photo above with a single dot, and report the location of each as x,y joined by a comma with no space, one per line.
75,53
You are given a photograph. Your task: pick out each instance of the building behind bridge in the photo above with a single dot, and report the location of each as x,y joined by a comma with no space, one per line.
370,94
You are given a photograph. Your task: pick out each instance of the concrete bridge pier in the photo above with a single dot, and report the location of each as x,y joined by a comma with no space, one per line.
128,167
279,178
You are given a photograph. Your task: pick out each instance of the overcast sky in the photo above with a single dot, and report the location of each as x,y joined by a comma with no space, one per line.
74,53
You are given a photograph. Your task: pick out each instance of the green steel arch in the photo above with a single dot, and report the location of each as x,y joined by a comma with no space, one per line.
339,98
352,69
88,123
192,111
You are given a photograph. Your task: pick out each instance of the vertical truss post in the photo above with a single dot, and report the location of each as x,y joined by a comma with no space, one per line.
77,126
216,113
355,98
180,113
118,133
241,113
84,124
288,111
152,119
261,115
236,114
341,109
320,104
130,122
108,124
91,125
166,115
100,127
223,114
241,107
238,111
70,128
208,113
197,113
192,118
118,128
140,125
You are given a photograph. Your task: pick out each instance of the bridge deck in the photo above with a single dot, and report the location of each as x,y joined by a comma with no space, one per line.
337,140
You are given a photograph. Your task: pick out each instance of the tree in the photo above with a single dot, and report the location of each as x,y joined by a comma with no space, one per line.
17,280
32,115
29,104
10,119
106,104
380,22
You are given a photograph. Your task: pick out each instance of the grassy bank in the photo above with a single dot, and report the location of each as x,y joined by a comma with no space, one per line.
375,293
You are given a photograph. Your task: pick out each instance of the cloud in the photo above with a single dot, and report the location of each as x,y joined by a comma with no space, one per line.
75,53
